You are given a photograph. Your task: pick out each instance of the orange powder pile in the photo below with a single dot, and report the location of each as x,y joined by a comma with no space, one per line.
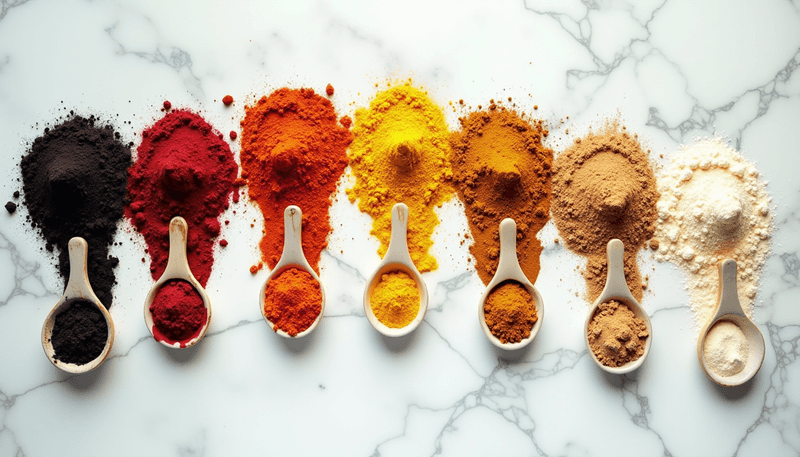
293,153
501,169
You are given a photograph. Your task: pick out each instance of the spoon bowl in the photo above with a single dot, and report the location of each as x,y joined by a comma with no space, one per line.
397,258
292,257
508,269
617,289
177,268
78,286
729,309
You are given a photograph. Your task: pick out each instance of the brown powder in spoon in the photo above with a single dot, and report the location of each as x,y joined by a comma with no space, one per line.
604,188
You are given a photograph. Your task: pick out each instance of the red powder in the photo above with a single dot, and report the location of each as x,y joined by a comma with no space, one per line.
167,105
183,169
293,153
233,135
178,312
223,242
293,300
256,268
346,121
227,100
329,90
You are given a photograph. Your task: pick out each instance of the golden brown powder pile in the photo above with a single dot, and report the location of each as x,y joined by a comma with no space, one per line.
501,169
616,335
604,188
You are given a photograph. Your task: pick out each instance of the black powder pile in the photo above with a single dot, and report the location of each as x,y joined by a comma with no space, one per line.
79,332
74,182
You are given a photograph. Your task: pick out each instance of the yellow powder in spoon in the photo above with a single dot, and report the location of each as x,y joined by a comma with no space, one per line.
395,300
399,154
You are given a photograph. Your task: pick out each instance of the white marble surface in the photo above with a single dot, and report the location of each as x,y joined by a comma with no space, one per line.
674,70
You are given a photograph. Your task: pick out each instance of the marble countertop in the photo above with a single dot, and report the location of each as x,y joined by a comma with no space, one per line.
673,70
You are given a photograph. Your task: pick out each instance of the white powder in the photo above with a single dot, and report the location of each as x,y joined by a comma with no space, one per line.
713,206
726,349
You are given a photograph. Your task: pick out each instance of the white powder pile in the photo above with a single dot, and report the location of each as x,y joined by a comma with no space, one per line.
726,349
713,206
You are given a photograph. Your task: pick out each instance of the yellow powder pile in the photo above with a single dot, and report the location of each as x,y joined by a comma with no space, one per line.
395,300
604,188
616,335
510,312
400,154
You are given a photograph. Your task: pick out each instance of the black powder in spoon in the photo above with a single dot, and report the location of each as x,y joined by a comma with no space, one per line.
74,181
79,332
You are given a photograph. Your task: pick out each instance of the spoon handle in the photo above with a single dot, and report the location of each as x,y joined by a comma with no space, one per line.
177,263
728,291
78,283
293,235
508,263
615,281
398,244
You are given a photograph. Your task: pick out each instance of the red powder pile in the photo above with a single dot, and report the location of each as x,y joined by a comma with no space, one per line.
293,153
178,312
184,168
292,301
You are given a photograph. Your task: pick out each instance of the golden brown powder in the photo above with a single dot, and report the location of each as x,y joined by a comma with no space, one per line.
616,336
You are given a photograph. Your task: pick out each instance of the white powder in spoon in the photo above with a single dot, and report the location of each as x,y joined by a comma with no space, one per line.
713,206
726,349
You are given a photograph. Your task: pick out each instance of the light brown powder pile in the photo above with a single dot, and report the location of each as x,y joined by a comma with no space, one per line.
604,188
616,336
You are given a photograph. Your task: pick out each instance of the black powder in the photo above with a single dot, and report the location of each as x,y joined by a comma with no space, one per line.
79,332
74,182
11,207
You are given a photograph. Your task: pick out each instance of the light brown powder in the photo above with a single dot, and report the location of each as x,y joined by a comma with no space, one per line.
604,188
616,336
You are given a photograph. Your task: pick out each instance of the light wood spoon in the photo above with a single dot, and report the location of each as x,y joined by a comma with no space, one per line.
729,309
397,258
77,287
617,289
292,257
508,269
177,268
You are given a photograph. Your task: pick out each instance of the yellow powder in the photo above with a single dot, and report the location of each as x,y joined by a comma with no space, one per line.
395,300
400,154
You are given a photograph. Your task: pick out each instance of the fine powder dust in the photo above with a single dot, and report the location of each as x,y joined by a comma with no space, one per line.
510,312
616,335
713,206
501,169
604,188
400,153
726,349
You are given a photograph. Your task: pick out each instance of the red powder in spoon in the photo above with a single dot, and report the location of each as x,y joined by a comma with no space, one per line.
183,169
178,312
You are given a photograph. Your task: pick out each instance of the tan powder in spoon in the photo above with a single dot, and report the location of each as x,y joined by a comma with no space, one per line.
604,188
616,335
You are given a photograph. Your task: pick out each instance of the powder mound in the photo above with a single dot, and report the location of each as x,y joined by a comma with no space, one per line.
79,332
713,206
604,188
11,207
293,153
726,349
74,179
501,169
510,312
395,301
292,301
616,335
400,153
178,312
183,168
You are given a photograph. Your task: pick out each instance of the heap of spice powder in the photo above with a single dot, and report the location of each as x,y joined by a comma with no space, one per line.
79,333
293,153
400,153
616,336
292,301
74,179
501,169
510,312
178,312
184,168
604,188
395,300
